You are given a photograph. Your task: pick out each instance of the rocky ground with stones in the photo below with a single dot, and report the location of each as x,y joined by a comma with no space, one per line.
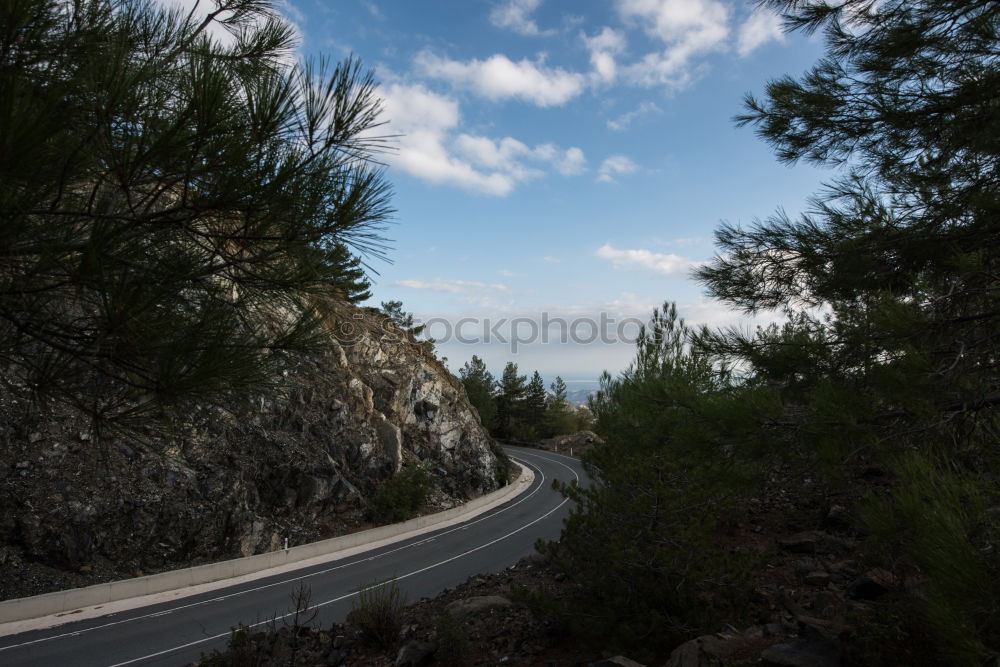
490,625
299,463
811,591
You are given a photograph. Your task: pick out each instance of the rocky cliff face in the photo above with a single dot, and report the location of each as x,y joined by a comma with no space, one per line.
299,464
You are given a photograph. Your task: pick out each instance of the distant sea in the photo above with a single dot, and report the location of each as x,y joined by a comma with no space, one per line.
577,391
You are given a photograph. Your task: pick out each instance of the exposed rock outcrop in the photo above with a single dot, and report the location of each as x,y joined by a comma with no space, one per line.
299,464
573,442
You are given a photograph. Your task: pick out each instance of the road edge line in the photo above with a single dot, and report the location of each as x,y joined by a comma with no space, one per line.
39,611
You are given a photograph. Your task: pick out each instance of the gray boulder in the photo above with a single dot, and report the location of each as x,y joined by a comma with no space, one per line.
413,654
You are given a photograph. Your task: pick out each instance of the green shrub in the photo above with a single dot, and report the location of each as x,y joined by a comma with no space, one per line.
451,643
938,533
506,470
401,495
377,611
643,541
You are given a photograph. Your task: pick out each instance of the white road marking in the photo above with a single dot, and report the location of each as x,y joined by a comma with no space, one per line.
546,458
113,609
312,574
349,595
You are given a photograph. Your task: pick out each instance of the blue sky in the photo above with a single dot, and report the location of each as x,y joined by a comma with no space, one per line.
563,158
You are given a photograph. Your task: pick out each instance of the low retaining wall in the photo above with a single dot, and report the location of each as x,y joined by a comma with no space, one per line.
75,598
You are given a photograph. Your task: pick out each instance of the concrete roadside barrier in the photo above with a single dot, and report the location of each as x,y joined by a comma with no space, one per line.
59,602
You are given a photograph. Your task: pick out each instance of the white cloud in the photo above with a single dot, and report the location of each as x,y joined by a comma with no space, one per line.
667,264
452,286
686,28
374,10
626,119
616,165
716,314
414,108
552,260
608,39
515,15
762,27
506,274
499,78
507,155
429,149
425,119
571,162
603,48
498,155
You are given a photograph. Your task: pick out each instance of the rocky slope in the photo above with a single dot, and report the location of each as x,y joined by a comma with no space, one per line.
300,464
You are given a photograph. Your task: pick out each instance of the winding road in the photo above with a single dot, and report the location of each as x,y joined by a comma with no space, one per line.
177,632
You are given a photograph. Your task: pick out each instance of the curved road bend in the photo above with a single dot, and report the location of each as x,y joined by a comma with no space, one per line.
177,632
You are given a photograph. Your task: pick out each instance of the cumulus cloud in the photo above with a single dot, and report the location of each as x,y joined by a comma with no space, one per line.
666,264
425,119
502,155
685,27
626,119
451,286
616,165
604,47
431,147
762,27
516,15
572,162
499,78
509,154
414,108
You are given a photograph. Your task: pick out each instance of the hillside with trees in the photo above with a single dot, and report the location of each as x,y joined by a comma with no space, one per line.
184,212
183,375
517,408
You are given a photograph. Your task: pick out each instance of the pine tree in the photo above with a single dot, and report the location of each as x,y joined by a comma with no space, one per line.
560,417
900,251
640,540
583,419
535,408
901,246
479,386
165,197
510,401
343,272
402,319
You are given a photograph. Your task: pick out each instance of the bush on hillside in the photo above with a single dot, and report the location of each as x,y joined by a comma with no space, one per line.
401,495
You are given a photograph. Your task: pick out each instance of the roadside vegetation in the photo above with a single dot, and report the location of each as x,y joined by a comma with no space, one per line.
399,497
177,211
887,358
377,612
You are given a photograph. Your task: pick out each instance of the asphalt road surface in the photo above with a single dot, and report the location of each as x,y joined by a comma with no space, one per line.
177,632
